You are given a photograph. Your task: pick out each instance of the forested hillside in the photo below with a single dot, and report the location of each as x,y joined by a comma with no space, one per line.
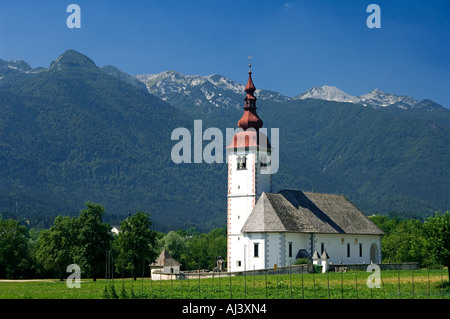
382,160
390,159
74,132
383,163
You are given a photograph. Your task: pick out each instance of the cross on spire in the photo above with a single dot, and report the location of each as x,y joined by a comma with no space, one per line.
250,62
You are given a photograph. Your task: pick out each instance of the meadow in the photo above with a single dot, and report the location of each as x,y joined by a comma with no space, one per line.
416,284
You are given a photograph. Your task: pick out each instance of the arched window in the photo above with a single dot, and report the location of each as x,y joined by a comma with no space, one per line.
374,253
241,162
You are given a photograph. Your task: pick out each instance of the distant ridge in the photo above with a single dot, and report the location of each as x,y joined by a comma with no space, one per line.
376,98
218,91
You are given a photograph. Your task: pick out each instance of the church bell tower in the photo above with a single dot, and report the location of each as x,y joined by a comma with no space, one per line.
248,157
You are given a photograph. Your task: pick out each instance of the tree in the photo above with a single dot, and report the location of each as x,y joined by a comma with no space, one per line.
14,253
404,243
198,252
204,248
54,248
135,243
385,223
217,239
93,239
176,245
437,234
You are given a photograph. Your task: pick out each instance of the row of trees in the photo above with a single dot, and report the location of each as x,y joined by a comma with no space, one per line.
194,250
87,241
411,240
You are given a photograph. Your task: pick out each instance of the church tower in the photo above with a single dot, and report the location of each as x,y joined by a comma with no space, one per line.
248,158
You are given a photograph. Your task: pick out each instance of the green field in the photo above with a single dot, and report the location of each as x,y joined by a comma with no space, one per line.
417,284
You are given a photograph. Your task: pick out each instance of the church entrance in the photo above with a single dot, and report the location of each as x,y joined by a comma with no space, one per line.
374,253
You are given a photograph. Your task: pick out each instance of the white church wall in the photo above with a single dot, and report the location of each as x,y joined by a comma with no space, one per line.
268,251
273,244
241,192
256,252
245,185
242,182
273,248
242,253
239,208
235,254
347,248
297,241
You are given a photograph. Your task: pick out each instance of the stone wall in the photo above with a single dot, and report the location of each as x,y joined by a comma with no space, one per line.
363,267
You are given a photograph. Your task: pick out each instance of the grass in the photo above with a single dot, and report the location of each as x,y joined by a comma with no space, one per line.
417,284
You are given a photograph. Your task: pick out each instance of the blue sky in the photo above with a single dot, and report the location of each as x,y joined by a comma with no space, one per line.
295,44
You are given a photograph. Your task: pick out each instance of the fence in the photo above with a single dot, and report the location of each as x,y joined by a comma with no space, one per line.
294,269
405,282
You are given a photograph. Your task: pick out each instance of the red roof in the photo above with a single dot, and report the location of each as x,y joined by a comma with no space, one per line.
250,123
250,138
250,118
250,87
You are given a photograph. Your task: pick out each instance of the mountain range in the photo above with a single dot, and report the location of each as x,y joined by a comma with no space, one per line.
375,98
218,91
76,132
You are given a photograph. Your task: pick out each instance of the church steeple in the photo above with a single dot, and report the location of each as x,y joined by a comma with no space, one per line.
248,158
250,118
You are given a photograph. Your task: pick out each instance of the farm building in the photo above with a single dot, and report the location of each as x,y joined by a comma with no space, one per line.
164,267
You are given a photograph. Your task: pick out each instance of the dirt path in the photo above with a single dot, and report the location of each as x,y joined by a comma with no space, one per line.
27,280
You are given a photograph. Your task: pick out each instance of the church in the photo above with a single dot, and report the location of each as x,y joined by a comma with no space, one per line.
266,229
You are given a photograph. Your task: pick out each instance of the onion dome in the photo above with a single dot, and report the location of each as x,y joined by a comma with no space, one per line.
250,118
250,123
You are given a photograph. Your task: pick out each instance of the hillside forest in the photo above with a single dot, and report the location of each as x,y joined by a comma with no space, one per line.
76,132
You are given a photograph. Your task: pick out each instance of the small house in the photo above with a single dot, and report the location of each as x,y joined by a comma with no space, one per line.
164,267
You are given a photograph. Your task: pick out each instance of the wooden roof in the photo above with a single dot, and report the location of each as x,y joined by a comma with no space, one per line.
305,212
